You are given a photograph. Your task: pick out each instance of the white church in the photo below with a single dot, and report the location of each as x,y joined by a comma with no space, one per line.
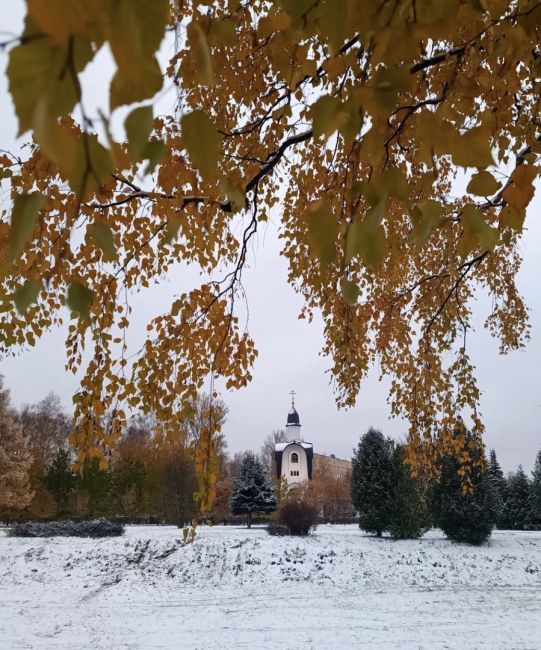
296,460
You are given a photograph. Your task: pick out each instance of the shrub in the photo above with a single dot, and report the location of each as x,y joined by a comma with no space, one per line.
67,528
298,515
277,528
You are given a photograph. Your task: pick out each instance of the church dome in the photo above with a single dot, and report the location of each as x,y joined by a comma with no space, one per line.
293,418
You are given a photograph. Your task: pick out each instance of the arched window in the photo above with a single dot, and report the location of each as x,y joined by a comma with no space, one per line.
294,457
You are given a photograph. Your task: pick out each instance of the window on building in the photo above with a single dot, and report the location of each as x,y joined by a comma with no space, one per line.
294,457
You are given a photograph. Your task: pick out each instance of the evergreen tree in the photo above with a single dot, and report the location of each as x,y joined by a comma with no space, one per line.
518,506
15,458
409,514
251,490
61,481
465,516
93,490
371,481
498,486
536,492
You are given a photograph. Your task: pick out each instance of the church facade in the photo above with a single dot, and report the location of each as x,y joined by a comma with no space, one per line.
296,461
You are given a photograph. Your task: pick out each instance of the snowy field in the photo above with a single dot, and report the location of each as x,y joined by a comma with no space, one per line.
235,588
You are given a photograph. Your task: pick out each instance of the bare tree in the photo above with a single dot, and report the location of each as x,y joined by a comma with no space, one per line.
267,451
46,426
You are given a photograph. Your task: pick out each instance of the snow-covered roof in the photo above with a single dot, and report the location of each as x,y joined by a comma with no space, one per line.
280,446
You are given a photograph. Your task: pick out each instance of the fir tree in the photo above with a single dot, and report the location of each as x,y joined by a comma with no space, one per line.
536,492
61,481
15,458
518,506
409,514
371,481
498,486
251,490
465,516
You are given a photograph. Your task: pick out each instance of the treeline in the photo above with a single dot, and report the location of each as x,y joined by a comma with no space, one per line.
148,477
389,499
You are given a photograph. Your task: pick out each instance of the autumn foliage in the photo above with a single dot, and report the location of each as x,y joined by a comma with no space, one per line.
396,143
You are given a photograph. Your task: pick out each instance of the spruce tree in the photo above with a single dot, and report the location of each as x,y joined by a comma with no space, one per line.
536,492
371,481
251,490
409,514
519,506
61,481
465,516
15,458
498,485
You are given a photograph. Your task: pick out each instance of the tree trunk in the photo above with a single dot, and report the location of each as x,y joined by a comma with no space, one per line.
249,520
379,533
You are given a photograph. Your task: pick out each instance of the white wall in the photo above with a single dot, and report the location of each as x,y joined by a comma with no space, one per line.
301,466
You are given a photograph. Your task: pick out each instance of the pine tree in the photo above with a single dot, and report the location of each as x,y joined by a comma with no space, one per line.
518,506
498,485
251,490
465,516
536,492
61,481
15,458
371,481
409,514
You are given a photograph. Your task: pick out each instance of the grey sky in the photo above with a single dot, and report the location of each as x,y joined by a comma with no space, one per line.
289,348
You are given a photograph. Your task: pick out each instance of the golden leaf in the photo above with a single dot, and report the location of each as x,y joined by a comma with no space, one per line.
202,141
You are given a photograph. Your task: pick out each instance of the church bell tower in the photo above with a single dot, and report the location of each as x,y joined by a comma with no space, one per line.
293,426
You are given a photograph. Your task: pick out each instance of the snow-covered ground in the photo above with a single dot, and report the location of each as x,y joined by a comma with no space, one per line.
235,588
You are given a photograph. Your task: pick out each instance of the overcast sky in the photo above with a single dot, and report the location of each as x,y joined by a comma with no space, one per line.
289,348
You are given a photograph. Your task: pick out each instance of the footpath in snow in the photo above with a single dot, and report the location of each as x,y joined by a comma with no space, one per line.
238,588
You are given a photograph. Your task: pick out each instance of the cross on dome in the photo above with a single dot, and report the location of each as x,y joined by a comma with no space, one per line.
293,419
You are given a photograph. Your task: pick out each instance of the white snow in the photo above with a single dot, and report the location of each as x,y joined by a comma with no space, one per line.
238,588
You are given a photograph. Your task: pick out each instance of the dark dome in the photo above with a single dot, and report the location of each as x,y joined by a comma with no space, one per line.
293,417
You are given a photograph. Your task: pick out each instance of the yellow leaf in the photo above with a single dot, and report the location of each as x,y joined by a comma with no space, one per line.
483,184
155,152
426,215
59,19
272,23
138,126
520,191
27,294
40,71
476,229
23,219
79,156
512,217
79,298
103,237
393,180
322,233
473,149
368,243
350,291
135,84
201,54
327,115
136,30
388,83
202,142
